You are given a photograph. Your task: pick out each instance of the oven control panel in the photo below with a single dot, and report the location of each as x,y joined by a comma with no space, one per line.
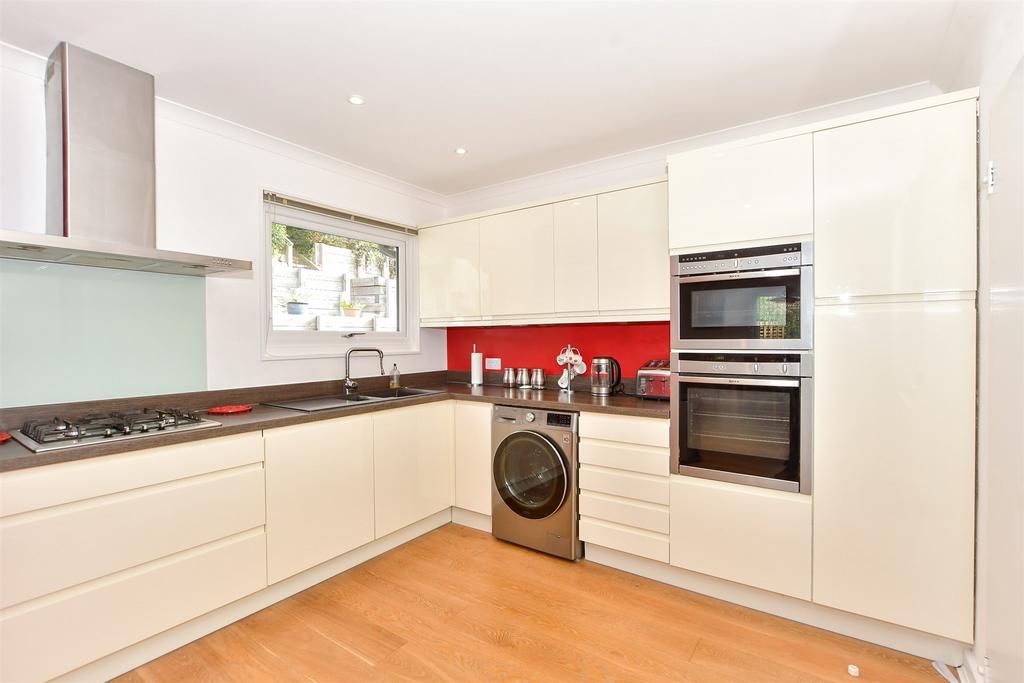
763,364
753,258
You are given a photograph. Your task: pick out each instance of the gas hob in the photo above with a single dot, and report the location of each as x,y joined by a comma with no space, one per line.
47,435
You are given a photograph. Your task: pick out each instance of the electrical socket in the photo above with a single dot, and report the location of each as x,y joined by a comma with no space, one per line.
492,364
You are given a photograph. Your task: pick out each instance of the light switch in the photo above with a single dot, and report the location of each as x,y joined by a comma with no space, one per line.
492,363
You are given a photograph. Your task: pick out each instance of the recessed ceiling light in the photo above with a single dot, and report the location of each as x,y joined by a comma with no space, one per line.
460,150
356,99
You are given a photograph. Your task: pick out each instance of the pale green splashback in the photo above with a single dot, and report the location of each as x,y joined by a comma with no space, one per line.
72,333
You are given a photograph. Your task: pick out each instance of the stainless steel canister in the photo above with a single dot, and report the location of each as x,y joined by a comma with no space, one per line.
508,379
537,378
523,378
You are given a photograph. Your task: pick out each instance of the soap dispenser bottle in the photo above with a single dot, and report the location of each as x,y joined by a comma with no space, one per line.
396,378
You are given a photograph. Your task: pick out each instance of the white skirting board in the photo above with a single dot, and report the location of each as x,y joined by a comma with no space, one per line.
162,643
888,635
474,520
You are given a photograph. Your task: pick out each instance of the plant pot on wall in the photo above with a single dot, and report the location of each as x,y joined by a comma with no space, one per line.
296,307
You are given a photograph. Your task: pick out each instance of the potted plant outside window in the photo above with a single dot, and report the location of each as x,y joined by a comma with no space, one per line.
350,309
297,306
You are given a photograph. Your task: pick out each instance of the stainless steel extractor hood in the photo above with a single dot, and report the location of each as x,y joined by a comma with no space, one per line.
100,173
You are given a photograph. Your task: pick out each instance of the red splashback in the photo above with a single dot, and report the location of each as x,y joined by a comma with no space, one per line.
535,346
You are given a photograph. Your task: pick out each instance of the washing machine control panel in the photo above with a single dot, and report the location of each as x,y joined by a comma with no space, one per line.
530,417
559,420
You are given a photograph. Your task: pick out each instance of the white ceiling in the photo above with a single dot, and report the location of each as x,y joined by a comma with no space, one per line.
525,87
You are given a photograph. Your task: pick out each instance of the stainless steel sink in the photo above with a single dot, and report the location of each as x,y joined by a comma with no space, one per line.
312,405
403,392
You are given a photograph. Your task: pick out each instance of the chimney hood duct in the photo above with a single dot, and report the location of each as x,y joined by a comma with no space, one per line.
100,173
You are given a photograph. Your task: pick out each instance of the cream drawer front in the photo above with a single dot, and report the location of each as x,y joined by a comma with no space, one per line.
643,487
625,456
40,487
644,431
632,513
749,535
48,550
59,633
626,539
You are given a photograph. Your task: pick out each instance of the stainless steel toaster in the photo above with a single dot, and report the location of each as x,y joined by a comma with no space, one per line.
653,379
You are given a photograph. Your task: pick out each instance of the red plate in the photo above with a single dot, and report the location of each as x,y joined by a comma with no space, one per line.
229,410
5,436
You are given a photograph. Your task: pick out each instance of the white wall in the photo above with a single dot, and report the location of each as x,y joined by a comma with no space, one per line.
986,45
210,177
648,163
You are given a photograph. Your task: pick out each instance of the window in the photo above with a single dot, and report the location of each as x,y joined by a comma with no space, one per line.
333,282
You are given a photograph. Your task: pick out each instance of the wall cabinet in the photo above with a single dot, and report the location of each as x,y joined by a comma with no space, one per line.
624,484
517,274
894,463
412,464
100,554
449,277
632,240
749,535
473,456
319,492
600,257
746,193
895,204
575,257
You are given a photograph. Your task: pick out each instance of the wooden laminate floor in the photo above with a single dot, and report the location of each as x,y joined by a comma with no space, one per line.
458,605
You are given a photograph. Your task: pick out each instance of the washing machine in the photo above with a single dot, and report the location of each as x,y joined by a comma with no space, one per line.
534,478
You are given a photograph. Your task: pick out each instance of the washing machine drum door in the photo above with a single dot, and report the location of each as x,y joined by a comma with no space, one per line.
530,474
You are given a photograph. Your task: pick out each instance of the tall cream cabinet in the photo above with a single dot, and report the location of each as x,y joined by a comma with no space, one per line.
473,456
585,259
517,270
895,358
632,234
102,553
895,204
758,192
319,492
449,277
412,464
894,434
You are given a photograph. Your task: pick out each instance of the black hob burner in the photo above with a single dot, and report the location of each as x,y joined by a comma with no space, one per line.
44,435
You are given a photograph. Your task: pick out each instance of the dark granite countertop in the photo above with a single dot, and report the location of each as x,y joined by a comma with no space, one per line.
14,456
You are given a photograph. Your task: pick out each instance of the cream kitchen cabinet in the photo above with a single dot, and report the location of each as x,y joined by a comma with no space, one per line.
576,253
895,204
102,553
632,240
449,277
517,269
412,464
624,484
319,492
894,465
754,536
745,193
473,456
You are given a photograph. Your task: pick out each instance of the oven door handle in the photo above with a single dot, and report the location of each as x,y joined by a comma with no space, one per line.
737,381
751,275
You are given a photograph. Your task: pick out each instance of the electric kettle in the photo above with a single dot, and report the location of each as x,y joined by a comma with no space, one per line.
605,376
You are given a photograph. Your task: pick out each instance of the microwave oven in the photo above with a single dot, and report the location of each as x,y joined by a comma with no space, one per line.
759,298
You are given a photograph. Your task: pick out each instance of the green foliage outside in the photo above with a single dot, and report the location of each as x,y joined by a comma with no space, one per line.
383,258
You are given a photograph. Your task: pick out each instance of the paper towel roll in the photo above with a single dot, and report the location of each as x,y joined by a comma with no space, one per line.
476,369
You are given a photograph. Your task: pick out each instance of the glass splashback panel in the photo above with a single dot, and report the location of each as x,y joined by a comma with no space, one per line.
72,333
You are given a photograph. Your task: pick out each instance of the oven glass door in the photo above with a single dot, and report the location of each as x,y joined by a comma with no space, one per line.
763,309
742,430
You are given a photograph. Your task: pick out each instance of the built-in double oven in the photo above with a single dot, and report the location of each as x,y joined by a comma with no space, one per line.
742,361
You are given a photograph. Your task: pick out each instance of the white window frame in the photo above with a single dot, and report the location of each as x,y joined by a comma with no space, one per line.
292,344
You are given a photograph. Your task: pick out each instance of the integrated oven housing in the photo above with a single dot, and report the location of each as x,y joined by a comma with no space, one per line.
759,298
744,418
